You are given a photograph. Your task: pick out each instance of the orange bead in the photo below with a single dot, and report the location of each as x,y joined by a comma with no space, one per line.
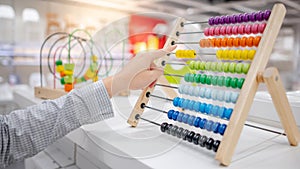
236,42
62,74
218,42
243,42
230,42
212,42
249,41
207,43
224,42
68,87
256,41
202,43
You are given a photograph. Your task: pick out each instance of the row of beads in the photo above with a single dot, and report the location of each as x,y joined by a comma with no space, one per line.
235,30
207,93
215,80
235,54
202,123
185,54
239,18
190,136
208,109
66,73
230,42
226,67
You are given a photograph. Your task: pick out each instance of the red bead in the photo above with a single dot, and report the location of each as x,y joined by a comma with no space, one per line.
211,31
223,30
248,29
254,28
241,29
217,30
206,31
235,30
261,27
228,30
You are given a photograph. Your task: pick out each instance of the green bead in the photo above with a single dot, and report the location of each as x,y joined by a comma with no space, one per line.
227,81
69,79
202,65
62,81
203,79
214,80
240,83
69,66
233,82
207,65
220,80
197,78
192,78
186,77
213,66
192,65
246,68
232,67
197,65
220,67
58,62
83,79
226,67
208,79
238,68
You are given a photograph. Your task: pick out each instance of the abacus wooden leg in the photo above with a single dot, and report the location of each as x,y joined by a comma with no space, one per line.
272,80
48,93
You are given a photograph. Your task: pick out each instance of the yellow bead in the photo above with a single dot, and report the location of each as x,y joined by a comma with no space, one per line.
231,54
225,54
244,54
192,54
68,72
219,54
94,58
251,54
59,68
178,53
89,74
95,79
237,54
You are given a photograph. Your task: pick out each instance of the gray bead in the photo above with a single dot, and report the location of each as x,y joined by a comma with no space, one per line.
169,128
173,130
202,141
179,131
184,134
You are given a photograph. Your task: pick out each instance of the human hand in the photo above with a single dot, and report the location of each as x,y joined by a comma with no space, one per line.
140,72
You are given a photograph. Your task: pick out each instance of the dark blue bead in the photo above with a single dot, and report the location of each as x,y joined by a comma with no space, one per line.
191,120
185,104
175,114
202,123
179,117
180,102
202,107
197,121
214,110
221,112
170,113
175,101
208,125
196,106
191,105
227,113
208,108
215,127
222,129
185,118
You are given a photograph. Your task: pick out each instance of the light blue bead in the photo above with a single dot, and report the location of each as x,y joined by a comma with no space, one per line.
221,95
185,103
208,93
196,106
215,127
186,89
208,125
208,109
179,117
191,120
227,96
191,105
221,111
197,91
191,91
234,97
202,92
180,102
185,118
175,101
227,113
180,88
214,111
202,107
214,94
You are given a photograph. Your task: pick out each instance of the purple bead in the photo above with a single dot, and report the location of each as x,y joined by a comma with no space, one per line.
227,19
267,14
236,17
216,21
259,16
232,19
240,18
245,17
252,17
211,21
222,20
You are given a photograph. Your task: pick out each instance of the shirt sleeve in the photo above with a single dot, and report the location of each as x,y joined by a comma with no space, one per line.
26,132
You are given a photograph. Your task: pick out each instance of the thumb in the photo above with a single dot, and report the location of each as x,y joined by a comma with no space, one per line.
162,52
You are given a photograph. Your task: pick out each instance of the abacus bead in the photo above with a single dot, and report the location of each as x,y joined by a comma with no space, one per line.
241,29
180,102
202,123
212,42
186,77
229,30
202,65
180,88
256,40
179,131
254,28
58,62
201,43
251,54
203,78
211,21
249,41
211,31
224,42
213,66
227,96
208,125
202,108
214,94
185,103
218,42
173,130
208,109
221,94
222,20
214,110
227,114
186,89
234,96
206,31
221,111
232,67
227,81
215,127
244,54
191,120
246,68
238,68
184,133
214,80
209,143
170,113
236,17
192,65
227,19
196,138
233,82
240,18
252,17
225,54
196,91
190,136
202,92
220,66
202,141
243,41
175,115
235,29
240,83
217,31
197,121
175,101
226,67
248,29
267,14
197,78
216,20
222,129
196,106
207,65
215,146
208,79
168,128
237,54
259,16
261,27
220,80
236,42
191,105
219,54
185,118
223,30
163,127
232,19
245,17
191,77
191,91
179,117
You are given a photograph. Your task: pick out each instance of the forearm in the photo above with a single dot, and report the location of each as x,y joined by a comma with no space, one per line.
27,132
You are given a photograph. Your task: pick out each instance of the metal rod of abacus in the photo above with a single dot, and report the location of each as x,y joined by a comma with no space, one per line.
185,42
197,53
197,22
162,85
152,108
170,63
182,33
152,122
164,98
173,75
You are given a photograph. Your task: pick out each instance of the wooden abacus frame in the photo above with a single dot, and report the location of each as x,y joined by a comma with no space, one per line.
257,74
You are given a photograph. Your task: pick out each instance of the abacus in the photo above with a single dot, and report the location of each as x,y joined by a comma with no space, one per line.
242,59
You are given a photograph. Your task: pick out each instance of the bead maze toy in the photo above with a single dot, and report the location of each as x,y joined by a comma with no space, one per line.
243,44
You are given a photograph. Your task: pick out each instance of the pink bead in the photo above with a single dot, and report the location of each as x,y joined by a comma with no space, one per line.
211,31
248,29
254,28
241,29
261,27
223,30
235,30
217,30
229,30
206,31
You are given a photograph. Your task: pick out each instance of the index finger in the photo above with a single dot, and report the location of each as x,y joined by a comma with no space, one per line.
162,52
